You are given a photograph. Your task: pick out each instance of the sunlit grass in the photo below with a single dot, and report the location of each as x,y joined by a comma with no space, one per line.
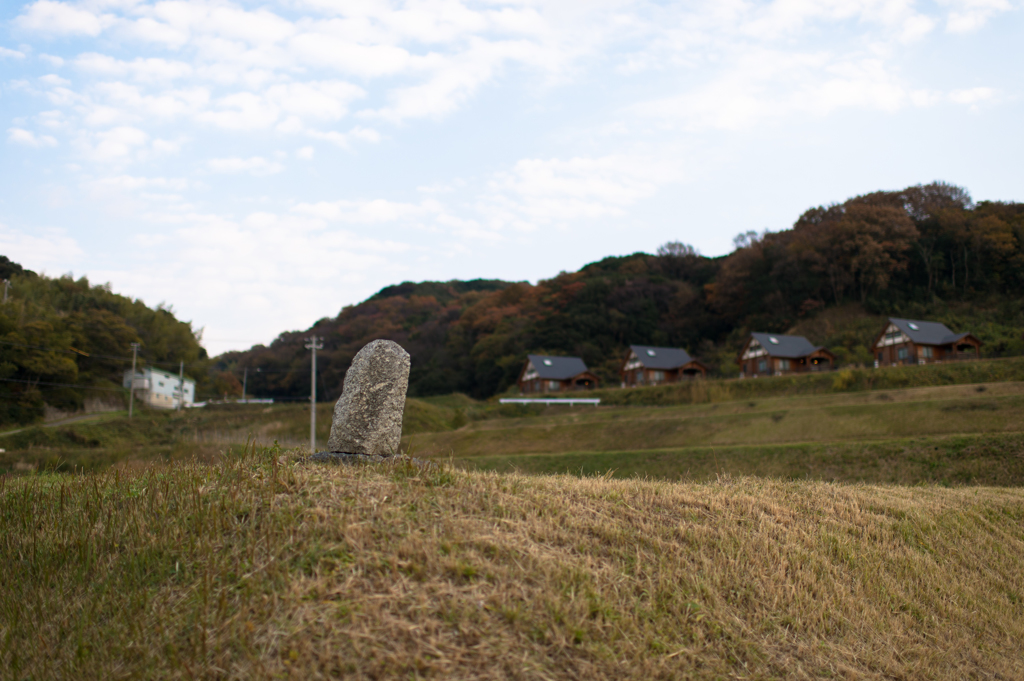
267,567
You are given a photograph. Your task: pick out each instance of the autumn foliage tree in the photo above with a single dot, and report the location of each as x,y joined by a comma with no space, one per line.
884,251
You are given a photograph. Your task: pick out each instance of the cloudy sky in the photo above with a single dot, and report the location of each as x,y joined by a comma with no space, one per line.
258,165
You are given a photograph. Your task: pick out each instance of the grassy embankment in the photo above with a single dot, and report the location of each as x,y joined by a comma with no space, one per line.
966,434
827,427
264,567
156,435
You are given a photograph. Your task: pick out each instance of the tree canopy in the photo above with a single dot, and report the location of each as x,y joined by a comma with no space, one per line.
926,251
64,341
917,250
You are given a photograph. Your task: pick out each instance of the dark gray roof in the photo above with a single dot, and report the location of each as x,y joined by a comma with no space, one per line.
927,333
788,347
557,368
661,358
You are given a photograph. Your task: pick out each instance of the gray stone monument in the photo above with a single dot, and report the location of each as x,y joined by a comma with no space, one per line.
368,415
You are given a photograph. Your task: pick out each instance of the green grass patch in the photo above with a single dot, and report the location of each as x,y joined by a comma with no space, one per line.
955,460
841,417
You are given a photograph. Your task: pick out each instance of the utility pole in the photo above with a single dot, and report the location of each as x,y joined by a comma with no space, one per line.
313,345
181,385
245,381
131,390
7,283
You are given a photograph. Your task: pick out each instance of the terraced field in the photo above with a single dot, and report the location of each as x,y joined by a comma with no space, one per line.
968,432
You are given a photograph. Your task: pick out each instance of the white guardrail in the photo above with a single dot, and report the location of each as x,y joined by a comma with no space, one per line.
554,400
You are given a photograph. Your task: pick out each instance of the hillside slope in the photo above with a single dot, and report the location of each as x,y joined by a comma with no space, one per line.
66,343
269,568
951,435
924,252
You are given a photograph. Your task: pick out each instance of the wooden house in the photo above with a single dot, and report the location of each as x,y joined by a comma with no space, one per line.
647,365
553,374
772,354
911,341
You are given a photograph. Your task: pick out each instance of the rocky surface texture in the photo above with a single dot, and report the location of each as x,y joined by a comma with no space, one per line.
368,415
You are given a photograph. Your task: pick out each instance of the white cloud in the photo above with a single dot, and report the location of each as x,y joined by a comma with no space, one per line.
970,15
324,100
54,80
256,165
537,192
449,81
242,111
760,85
626,82
531,194
133,183
375,211
781,19
972,96
168,147
29,138
345,139
41,249
149,70
233,272
115,145
122,101
148,30
61,18
367,61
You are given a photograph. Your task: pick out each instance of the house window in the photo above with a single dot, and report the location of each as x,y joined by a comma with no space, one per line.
783,365
926,351
762,365
902,353
552,385
893,335
658,376
879,357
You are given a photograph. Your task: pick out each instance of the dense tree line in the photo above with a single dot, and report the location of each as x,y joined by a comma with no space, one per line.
64,341
923,251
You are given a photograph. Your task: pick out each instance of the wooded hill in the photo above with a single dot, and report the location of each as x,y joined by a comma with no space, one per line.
64,342
927,251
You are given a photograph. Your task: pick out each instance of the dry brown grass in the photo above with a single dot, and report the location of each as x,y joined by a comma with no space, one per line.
923,412
268,568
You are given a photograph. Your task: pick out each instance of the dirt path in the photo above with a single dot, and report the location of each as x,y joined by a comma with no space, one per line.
62,422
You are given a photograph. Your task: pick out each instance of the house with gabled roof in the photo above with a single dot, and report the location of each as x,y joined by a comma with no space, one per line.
773,354
552,373
913,341
649,365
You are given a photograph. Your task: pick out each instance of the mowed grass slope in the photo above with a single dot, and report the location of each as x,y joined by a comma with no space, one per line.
267,567
948,434
158,435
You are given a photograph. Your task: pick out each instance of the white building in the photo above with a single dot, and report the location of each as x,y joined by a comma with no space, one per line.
159,388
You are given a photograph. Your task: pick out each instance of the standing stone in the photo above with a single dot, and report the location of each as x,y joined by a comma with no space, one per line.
368,415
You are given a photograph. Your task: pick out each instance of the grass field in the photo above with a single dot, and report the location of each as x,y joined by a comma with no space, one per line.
267,567
843,534
846,380
954,434
155,435
958,434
